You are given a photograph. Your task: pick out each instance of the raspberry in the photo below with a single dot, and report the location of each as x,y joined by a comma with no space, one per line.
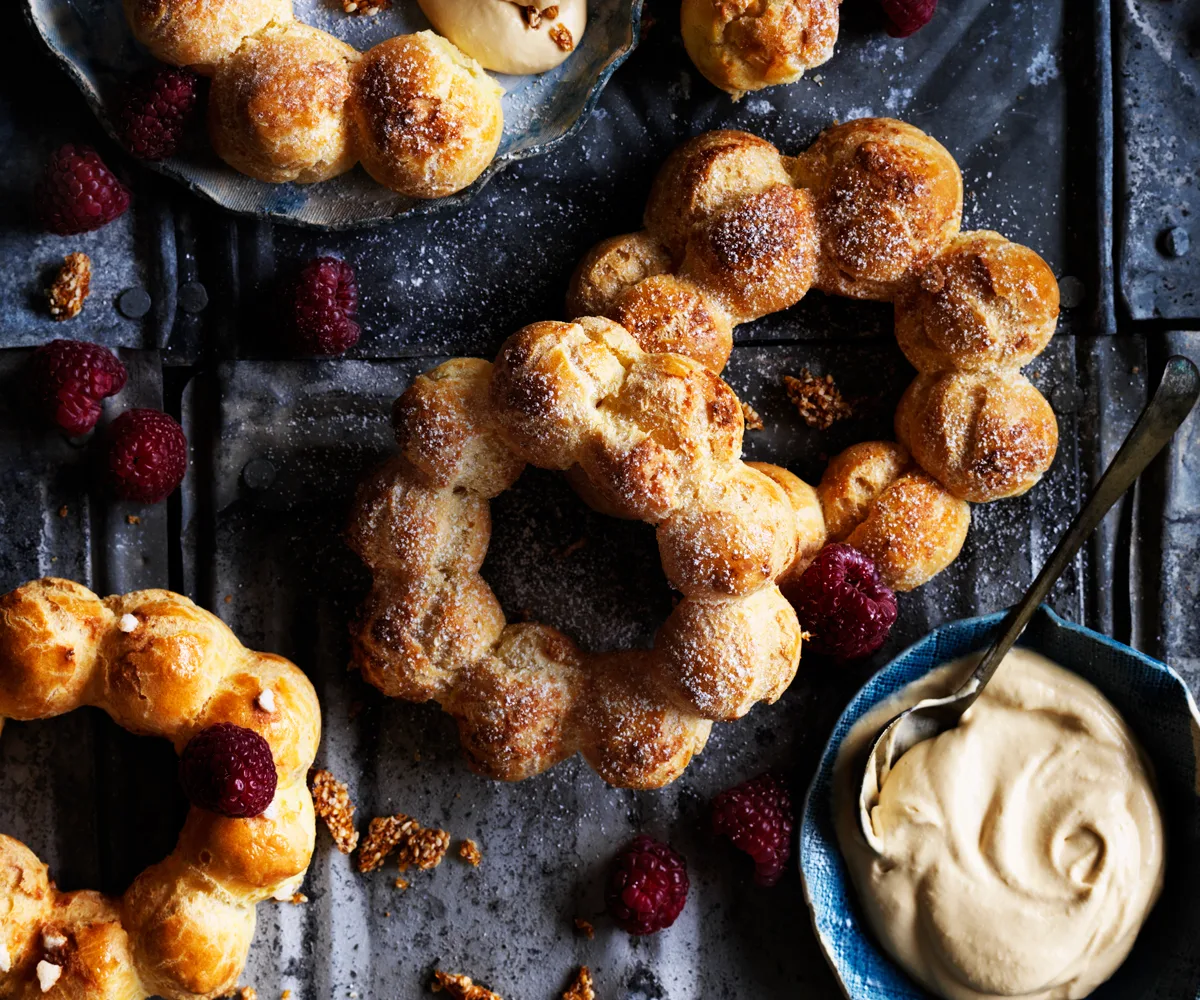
324,301
843,603
228,770
906,16
78,193
156,112
647,886
70,377
757,816
147,455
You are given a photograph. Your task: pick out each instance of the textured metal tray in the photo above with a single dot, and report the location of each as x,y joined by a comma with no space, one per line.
1020,93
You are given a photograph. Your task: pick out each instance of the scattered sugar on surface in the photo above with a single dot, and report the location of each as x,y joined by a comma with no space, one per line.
1044,67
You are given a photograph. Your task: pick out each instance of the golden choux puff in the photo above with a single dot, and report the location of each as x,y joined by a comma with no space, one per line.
983,435
984,302
807,517
742,45
662,436
186,939
48,648
704,177
200,33
854,479
26,900
515,708
913,530
671,315
739,537
629,734
610,268
428,116
442,429
278,108
759,256
888,199
721,656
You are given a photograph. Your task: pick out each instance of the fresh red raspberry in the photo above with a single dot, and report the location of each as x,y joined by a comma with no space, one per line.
757,816
906,16
842,603
70,377
228,770
147,455
78,193
156,112
647,886
324,301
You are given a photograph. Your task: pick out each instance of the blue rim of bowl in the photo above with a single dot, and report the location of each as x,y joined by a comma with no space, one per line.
418,206
985,626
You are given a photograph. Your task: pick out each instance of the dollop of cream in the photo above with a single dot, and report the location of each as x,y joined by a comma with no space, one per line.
510,37
1019,852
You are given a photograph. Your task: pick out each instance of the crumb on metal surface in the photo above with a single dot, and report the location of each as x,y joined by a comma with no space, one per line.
569,550
401,883
416,846
132,519
366,8
468,850
63,511
460,987
750,415
70,287
817,398
298,899
581,987
585,928
331,801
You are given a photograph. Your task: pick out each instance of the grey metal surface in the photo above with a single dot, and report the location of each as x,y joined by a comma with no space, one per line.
136,251
1158,118
1019,92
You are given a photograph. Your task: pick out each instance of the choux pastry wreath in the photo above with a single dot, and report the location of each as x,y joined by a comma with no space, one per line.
159,666
627,401
290,102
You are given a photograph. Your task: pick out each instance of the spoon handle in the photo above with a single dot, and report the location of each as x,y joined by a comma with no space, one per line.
1172,402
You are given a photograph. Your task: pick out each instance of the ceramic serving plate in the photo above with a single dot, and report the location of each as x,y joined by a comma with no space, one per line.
1158,706
94,44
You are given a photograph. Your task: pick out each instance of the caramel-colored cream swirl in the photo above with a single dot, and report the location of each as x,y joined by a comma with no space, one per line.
1020,852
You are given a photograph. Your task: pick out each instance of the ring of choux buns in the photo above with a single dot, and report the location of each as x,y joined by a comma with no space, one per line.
658,438
159,666
292,103
734,229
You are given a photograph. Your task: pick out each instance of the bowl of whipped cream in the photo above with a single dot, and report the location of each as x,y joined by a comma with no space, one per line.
1046,847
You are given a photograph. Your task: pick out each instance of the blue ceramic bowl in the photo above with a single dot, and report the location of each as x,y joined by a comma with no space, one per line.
1165,962
93,42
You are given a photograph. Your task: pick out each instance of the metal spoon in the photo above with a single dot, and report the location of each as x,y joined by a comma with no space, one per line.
1168,409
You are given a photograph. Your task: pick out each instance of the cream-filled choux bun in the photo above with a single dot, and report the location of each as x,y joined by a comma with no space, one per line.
428,117
200,33
278,107
509,37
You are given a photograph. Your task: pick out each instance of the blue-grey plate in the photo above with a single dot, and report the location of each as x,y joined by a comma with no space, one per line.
1165,962
94,44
